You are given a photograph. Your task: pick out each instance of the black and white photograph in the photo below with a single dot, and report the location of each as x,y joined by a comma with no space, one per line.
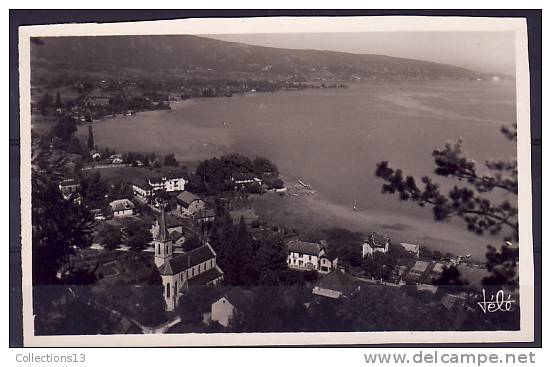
360,180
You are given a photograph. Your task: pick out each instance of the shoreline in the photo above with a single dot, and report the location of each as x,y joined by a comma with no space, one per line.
194,130
312,213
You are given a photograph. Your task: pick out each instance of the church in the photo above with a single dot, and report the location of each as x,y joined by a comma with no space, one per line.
181,271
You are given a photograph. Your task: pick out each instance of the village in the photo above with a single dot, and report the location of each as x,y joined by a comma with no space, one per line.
162,218
180,246
90,100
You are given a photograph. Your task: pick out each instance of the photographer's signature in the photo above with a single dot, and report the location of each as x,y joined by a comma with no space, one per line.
497,302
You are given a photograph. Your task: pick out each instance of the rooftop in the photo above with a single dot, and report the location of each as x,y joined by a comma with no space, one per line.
187,260
140,182
308,248
338,282
187,197
246,176
69,182
377,240
121,204
172,221
205,213
238,297
156,180
206,277
175,236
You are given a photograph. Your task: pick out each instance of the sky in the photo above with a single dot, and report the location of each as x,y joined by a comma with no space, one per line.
480,51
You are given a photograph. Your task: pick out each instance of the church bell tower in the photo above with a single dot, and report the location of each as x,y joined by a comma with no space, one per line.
163,244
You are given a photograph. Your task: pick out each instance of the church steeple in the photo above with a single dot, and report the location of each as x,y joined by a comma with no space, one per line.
162,242
162,235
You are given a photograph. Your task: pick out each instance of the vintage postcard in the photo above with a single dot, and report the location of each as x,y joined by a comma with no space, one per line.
276,181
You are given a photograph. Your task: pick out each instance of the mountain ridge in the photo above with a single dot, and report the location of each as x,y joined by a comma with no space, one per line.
192,56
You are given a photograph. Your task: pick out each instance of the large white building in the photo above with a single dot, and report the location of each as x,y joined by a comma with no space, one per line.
168,183
310,256
181,271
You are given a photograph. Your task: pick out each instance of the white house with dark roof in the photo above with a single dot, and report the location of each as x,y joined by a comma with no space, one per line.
187,204
142,190
181,271
223,309
122,208
310,256
168,183
375,242
242,180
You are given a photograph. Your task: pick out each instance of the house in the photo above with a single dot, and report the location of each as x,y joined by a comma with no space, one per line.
122,207
98,214
375,243
174,227
225,307
97,99
337,284
455,305
168,183
142,190
310,256
205,215
181,271
438,268
70,189
95,155
177,238
417,272
242,180
187,204
173,224
414,249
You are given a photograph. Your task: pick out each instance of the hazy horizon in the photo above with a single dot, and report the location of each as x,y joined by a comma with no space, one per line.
480,51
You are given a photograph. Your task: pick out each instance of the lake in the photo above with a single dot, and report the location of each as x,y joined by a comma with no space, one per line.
333,138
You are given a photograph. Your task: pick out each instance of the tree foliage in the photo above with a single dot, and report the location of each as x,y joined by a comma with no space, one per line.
59,226
451,280
470,202
170,160
110,236
90,141
149,298
94,191
215,174
137,236
346,245
237,257
467,202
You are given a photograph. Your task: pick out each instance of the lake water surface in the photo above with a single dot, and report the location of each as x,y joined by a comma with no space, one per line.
333,139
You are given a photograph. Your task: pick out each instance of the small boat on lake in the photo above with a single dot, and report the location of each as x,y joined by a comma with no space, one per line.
305,185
